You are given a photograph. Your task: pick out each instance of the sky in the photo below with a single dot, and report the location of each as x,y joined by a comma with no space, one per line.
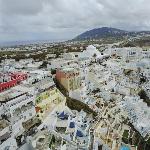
25,20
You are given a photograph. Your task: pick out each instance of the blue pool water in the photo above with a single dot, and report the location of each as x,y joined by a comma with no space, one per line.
124,148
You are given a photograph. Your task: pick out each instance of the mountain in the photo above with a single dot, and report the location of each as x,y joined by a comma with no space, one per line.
106,32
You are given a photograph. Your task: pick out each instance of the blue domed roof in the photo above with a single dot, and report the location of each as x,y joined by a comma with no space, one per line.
63,116
72,125
79,133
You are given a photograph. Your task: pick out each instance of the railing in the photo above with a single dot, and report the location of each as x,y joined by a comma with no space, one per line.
19,100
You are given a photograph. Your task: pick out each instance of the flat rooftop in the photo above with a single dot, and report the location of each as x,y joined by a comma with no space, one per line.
10,95
3,124
42,84
69,69
45,84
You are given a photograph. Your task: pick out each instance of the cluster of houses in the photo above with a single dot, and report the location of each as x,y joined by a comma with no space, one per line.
28,47
34,112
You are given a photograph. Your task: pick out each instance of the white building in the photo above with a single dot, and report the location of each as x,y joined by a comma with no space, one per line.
91,52
127,53
68,56
18,107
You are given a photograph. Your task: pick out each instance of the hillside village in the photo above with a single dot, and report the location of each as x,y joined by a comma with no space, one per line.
70,96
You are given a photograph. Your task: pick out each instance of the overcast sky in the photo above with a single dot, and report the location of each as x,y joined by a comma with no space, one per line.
24,20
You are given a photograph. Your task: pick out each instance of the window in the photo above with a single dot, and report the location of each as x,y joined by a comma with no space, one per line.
30,114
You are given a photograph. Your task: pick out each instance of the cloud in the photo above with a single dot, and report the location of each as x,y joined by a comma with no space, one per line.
21,7
64,19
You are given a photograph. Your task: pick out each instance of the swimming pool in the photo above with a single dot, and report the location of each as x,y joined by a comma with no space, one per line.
124,147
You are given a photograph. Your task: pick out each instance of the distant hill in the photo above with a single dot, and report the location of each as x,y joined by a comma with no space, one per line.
106,32
140,42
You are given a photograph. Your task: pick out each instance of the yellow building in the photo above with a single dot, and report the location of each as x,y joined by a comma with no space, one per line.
47,99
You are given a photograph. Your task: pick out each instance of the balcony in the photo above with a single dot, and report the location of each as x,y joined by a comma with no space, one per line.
22,101
4,130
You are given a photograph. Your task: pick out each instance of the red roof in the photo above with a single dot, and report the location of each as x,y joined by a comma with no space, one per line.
15,79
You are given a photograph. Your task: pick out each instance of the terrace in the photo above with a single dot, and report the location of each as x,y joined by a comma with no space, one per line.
10,95
3,124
